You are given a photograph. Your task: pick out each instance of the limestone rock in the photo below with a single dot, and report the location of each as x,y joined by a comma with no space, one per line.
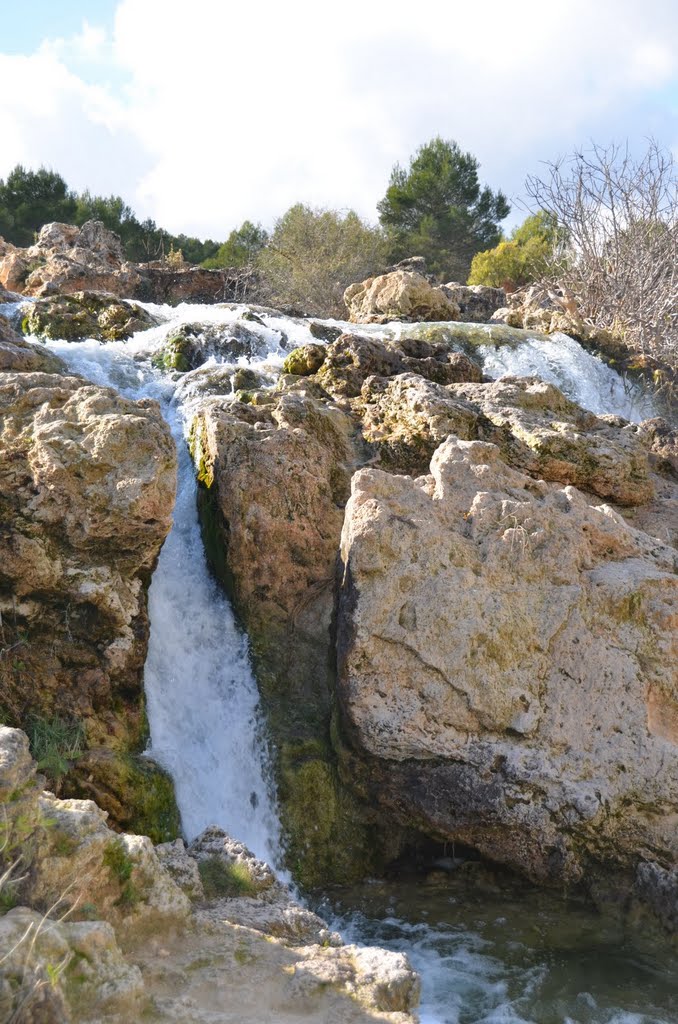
352,358
83,863
305,361
64,964
477,302
182,868
506,649
214,843
86,314
17,767
400,295
558,440
193,344
378,978
18,356
87,481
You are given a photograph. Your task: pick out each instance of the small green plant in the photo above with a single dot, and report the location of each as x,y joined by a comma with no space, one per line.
222,879
55,744
121,868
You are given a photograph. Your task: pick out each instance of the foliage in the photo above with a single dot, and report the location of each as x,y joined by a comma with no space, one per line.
621,261
438,210
121,867
524,258
222,879
240,248
29,199
55,744
314,254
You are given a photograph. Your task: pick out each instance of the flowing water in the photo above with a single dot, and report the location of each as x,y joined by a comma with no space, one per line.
484,955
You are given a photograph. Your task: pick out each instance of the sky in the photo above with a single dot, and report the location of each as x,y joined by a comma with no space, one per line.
205,113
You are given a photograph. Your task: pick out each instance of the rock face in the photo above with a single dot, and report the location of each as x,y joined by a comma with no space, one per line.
503,636
400,295
275,476
477,303
67,259
504,660
20,356
85,315
87,481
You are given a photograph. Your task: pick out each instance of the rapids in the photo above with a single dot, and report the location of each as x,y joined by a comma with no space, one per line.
483,956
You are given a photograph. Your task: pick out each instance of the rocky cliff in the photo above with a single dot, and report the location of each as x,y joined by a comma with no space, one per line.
87,481
501,668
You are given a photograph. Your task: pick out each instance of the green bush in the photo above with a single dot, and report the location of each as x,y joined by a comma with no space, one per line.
55,744
313,255
524,258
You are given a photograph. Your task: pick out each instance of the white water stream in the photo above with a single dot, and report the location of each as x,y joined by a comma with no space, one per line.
203,710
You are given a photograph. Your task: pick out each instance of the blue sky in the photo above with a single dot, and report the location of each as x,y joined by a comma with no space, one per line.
203,114
49,19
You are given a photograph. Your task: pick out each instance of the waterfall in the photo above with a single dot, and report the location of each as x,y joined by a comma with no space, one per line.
479,962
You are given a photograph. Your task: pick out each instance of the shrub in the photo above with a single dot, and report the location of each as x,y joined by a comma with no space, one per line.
525,257
621,260
313,255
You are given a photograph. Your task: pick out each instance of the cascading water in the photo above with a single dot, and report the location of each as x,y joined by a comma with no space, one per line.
483,958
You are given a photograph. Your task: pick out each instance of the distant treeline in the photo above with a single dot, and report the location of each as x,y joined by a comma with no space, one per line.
29,199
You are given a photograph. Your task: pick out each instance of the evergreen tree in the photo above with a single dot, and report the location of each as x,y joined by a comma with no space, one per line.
438,210
29,199
240,248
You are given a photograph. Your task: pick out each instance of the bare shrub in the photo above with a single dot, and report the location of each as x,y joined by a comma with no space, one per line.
619,215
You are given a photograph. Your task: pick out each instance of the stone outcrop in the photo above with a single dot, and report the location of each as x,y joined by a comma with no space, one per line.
505,651
17,355
503,635
477,302
400,295
193,344
85,315
275,476
87,482
67,259
87,894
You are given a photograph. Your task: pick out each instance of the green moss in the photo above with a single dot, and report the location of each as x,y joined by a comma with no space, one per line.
220,878
304,361
150,797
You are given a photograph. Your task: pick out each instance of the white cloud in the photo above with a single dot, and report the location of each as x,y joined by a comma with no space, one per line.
218,112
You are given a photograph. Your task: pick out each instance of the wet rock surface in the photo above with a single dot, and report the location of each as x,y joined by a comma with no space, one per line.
85,315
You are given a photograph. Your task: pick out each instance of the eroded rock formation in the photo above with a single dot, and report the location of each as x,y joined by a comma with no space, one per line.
506,668
87,481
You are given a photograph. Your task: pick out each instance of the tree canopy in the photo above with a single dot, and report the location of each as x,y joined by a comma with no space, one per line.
313,255
438,210
240,248
525,257
29,199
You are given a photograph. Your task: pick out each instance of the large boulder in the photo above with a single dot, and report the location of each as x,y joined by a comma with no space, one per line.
477,302
87,481
505,666
68,259
400,295
19,356
85,315
191,345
